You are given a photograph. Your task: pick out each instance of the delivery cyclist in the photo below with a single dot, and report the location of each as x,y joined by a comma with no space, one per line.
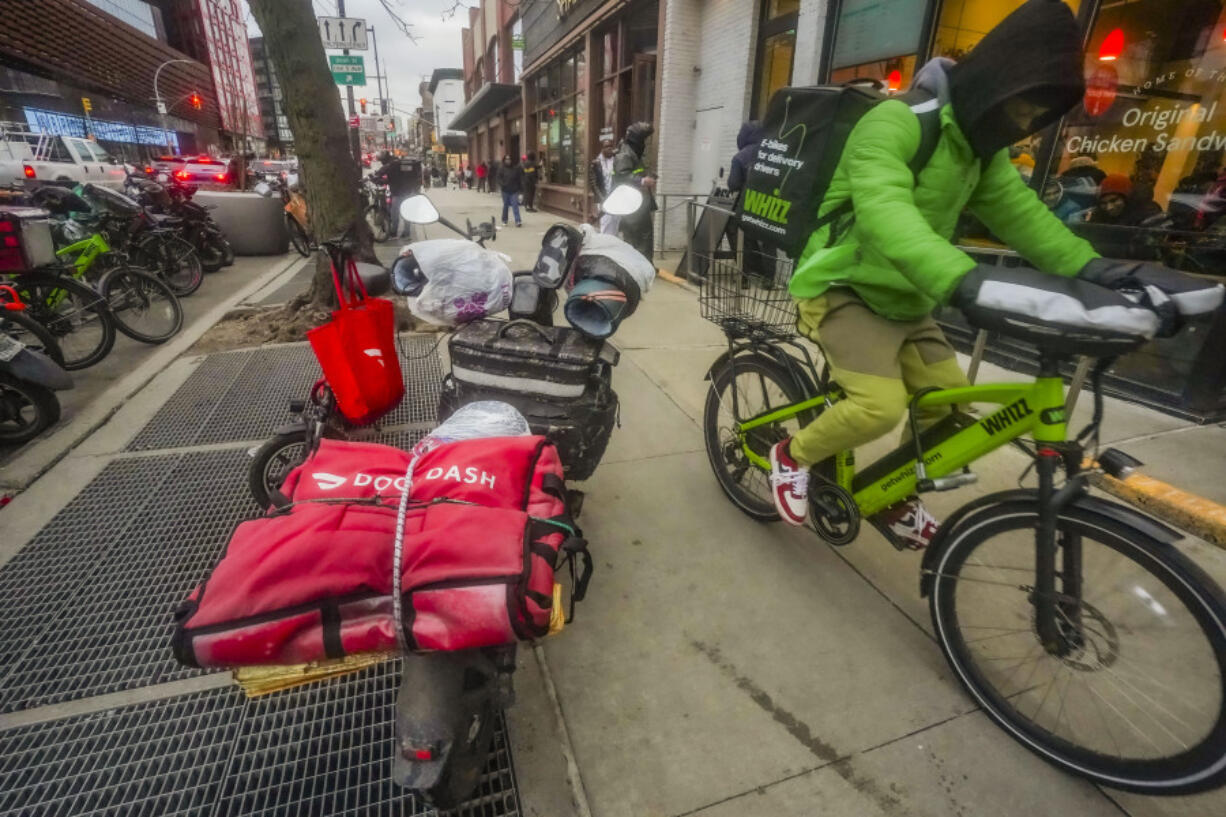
866,293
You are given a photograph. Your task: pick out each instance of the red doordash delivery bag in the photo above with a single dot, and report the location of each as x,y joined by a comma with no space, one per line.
357,352
313,579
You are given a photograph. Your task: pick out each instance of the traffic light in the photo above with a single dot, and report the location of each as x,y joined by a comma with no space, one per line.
363,103
197,101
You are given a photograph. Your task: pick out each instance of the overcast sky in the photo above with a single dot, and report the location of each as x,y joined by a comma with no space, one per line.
404,63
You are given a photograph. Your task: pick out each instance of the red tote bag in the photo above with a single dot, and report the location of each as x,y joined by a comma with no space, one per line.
357,352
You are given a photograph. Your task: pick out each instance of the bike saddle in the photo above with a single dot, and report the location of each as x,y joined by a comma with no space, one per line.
375,278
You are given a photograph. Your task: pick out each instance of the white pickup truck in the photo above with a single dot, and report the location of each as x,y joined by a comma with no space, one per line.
43,156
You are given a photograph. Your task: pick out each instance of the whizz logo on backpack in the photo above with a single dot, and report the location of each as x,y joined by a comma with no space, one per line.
1006,417
768,207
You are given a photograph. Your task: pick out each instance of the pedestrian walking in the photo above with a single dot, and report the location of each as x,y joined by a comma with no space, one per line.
629,167
403,179
600,180
531,170
510,182
481,174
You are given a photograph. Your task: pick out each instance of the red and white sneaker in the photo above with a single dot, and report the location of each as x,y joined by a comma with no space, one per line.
789,485
910,523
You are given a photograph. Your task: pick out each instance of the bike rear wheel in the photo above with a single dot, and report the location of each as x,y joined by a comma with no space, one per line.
1134,695
76,316
175,262
271,464
762,385
145,308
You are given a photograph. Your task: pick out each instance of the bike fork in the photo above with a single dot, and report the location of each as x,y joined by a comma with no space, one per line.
1057,608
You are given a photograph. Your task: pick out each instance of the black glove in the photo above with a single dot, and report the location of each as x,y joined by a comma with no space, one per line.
1172,295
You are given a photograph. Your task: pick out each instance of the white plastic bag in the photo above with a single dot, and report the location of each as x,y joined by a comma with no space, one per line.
612,247
463,281
484,418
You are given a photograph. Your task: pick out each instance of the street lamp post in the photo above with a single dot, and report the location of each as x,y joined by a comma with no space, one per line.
157,98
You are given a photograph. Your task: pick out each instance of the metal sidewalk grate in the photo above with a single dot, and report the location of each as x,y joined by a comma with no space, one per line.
328,749
245,395
47,573
322,749
108,627
147,760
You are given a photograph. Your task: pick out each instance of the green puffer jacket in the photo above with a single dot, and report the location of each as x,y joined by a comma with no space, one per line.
897,256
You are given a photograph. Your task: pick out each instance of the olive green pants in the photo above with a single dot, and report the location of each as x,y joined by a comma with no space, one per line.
879,364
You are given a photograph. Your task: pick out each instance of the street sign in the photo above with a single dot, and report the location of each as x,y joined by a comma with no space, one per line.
353,121
369,124
343,32
347,70
86,104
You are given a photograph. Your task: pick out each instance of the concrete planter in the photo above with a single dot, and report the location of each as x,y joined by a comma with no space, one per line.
253,224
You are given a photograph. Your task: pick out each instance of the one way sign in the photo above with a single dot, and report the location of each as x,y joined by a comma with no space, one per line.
343,32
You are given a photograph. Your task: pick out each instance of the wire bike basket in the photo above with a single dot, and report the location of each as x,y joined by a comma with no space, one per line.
743,285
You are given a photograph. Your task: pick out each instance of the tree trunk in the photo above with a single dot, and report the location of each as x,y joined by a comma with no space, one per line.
328,170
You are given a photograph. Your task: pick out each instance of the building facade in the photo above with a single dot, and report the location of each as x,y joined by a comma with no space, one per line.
214,32
493,111
56,54
277,134
447,98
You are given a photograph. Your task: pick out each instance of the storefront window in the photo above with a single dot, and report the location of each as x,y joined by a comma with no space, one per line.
962,23
559,129
875,38
625,71
776,49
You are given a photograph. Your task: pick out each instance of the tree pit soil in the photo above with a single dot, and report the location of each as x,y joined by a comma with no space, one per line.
287,323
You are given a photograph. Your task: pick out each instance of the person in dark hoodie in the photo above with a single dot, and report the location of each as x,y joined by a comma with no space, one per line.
629,167
866,285
754,260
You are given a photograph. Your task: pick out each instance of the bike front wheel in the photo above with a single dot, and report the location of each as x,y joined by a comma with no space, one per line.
1133,695
145,308
742,388
175,261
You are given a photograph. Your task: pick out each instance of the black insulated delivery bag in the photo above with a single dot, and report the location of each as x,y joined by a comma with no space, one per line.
560,380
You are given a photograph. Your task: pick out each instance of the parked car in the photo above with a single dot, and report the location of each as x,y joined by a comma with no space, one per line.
47,157
194,170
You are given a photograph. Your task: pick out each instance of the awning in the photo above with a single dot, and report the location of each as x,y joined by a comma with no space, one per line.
491,99
455,142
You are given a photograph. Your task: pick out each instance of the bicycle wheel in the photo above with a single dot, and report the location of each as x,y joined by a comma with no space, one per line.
175,262
298,236
271,464
145,308
377,221
31,333
762,385
76,316
1134,696
26,410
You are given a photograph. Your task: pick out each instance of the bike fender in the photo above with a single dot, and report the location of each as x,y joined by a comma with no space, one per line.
35,367
989,505
777,356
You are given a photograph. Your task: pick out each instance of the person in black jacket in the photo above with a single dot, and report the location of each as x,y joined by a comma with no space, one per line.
531,171
403,178
510,182
754,261
629,167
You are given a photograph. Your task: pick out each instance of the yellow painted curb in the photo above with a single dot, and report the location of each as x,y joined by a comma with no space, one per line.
1195,514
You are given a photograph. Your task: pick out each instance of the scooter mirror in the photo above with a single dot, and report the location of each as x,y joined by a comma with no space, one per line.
418,210
623,201
264,189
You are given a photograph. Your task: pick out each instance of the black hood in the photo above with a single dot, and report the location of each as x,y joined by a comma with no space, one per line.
1033,56
751,133
638,134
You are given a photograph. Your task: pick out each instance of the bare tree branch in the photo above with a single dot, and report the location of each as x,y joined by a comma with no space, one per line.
397,20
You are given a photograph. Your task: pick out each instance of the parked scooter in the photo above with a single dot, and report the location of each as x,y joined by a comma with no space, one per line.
164,196
28,382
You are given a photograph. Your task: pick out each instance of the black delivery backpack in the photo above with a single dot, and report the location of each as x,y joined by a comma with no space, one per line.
806,129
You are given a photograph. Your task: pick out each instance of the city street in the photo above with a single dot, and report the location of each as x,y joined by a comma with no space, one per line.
718,666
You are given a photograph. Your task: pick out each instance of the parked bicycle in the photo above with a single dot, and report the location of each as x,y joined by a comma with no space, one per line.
1073,621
